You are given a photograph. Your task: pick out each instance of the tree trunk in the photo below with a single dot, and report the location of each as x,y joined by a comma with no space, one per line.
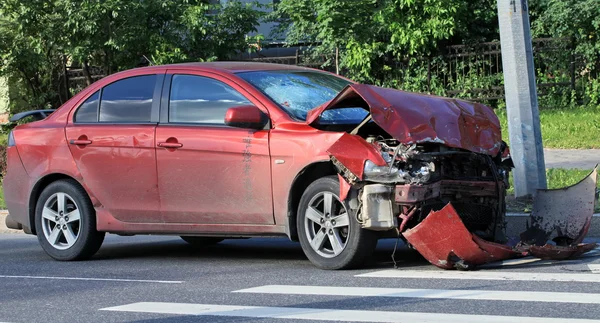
66,79
86,73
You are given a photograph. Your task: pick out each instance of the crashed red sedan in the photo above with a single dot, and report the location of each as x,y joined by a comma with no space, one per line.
210,151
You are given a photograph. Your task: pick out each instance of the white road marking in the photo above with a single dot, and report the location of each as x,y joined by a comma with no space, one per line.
540,262
484,275
533,261
489,295
97,279
595,268
528,215
512,262
327,314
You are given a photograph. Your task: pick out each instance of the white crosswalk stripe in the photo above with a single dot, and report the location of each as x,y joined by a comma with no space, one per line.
521,296
328,314
304,292
484,275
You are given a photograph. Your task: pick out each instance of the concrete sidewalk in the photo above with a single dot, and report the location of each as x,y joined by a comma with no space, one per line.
572,158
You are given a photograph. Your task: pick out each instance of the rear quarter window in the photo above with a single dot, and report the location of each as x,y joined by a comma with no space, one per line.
128,100
88,110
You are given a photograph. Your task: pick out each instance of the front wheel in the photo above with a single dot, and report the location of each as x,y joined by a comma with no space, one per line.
65,222
329,234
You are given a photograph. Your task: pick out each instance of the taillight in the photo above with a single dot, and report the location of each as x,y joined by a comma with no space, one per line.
11,139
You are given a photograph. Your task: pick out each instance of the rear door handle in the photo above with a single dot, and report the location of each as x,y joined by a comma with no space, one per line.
80,142
170,144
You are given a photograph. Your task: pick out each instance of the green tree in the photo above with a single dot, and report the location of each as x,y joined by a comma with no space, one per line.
577,19
372,33
39,37
28,52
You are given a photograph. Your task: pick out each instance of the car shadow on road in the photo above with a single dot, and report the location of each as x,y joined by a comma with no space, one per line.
247,249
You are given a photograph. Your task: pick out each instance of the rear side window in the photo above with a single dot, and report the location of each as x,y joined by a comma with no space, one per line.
197,99
128,100
88,111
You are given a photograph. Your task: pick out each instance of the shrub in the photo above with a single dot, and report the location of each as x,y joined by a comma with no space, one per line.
2,161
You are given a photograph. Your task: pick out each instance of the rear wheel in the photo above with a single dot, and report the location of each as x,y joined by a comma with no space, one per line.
201,241
65,222
329,234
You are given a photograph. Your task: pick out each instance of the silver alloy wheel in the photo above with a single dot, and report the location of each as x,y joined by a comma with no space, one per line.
61,221
327,224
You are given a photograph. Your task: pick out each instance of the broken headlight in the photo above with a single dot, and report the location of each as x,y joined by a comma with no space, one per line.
372,170
387,174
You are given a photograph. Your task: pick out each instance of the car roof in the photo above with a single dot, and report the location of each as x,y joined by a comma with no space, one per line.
235,67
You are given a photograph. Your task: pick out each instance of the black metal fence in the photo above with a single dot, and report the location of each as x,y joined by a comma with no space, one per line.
77,80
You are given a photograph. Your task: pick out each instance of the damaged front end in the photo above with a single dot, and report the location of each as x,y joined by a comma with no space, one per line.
559,222
435,171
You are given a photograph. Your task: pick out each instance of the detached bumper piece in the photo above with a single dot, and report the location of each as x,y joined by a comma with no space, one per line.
445,242
559,222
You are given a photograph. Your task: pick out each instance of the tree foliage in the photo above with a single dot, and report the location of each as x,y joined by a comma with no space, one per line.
577,19
39,37
372,33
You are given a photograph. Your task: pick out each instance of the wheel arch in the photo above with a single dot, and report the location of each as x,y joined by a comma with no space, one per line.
305,177
38,188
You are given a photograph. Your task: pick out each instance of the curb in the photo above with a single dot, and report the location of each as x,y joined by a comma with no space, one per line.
3,228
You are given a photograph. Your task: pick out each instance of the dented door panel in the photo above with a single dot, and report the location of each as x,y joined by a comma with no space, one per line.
219,175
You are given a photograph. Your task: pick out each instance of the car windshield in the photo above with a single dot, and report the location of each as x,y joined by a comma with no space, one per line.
298,92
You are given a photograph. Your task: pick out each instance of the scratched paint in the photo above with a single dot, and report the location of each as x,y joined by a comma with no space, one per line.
247,164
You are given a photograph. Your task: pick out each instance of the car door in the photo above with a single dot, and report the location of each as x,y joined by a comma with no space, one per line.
209,173
111,138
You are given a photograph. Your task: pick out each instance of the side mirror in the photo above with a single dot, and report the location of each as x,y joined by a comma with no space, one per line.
246,116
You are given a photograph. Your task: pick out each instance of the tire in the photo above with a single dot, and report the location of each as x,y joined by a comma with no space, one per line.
201,241
356,243
63,237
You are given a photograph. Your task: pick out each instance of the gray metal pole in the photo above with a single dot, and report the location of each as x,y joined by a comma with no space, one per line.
521,97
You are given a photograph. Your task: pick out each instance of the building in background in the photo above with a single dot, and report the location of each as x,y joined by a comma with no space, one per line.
271,46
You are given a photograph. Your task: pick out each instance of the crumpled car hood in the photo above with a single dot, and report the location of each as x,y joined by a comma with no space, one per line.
417,118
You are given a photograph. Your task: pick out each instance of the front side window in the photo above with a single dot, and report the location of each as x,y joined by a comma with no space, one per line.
197,99
128,100
88,110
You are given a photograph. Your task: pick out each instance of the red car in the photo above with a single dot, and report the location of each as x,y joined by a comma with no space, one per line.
210,151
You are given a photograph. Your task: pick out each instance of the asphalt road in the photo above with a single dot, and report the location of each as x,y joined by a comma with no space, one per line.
162,279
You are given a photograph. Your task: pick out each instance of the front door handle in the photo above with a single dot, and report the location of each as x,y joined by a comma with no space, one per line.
170,144
81,141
